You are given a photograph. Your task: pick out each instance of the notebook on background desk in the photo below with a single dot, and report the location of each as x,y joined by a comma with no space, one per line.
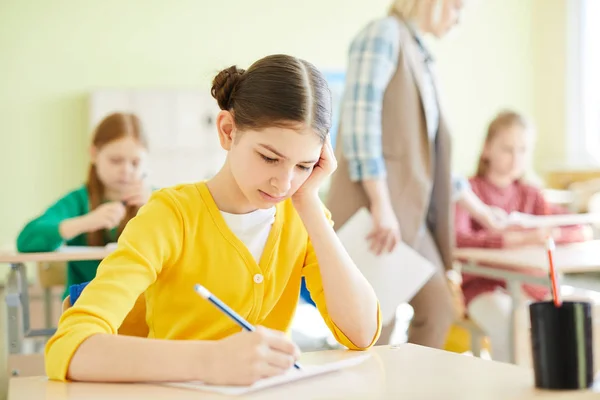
551,221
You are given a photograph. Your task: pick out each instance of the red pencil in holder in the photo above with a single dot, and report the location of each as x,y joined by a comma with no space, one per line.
550,247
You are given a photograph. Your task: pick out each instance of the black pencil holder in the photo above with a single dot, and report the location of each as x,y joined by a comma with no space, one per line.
562,347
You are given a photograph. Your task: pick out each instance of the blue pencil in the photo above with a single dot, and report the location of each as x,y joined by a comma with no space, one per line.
204,292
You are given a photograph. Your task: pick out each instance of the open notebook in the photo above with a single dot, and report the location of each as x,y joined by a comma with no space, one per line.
551,221
290,376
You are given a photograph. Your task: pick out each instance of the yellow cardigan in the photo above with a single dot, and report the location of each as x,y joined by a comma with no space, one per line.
179,238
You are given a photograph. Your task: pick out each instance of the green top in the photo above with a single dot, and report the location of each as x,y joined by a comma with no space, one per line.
42,234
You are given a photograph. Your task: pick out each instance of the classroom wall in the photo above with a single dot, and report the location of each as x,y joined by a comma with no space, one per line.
53,53
550,56
486,65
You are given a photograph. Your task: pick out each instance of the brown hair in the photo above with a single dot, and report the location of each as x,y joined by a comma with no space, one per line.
275,90
114,127
503,120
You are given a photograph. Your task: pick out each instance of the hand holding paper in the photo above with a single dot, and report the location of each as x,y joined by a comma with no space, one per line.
396,276
384,234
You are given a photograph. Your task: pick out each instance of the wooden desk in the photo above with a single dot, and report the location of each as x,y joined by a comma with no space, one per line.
563,177
67,253
17,296
570,258
530,265
399,372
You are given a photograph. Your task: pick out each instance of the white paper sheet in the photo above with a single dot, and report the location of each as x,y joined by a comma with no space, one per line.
397,276
80,249
290,376
550,221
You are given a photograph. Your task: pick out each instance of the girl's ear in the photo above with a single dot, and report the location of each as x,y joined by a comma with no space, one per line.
93,154
226,129
486,151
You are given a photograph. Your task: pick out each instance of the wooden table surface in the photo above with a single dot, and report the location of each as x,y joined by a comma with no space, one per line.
398,372
67,253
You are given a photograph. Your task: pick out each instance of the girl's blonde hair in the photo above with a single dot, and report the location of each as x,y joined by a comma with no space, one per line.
406,9
503,120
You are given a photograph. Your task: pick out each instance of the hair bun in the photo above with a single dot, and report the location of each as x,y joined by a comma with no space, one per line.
224,85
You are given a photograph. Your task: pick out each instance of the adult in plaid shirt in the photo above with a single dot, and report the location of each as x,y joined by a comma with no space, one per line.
393,151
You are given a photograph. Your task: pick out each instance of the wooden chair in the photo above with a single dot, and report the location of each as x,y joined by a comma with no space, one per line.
23,365
51,275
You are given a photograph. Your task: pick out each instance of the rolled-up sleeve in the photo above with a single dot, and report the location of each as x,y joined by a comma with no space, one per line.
372,61
144,248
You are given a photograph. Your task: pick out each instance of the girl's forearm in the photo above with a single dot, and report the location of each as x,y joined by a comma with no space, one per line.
350,299
116,358
72,227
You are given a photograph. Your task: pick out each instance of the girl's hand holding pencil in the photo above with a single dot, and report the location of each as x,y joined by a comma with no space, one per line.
253,354
246,357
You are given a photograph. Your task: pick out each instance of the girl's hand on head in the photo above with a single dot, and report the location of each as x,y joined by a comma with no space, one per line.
322,169
246,357
106,216
138,194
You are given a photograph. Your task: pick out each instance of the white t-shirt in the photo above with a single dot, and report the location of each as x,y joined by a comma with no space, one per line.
252,228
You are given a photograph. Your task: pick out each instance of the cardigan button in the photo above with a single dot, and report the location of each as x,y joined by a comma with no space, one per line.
258,278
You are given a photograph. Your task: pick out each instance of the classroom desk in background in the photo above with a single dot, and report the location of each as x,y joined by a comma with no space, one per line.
569,258
17,295
398,372
530,265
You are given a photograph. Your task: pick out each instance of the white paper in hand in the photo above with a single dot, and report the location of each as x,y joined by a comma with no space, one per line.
397,276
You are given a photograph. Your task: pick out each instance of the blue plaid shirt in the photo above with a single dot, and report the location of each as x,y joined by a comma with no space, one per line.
372,62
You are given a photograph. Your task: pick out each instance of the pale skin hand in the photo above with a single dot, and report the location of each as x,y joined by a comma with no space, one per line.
240,359
105,216
491,218
138,194
350,299
385,234
246,357
515,238
499,217
322,169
